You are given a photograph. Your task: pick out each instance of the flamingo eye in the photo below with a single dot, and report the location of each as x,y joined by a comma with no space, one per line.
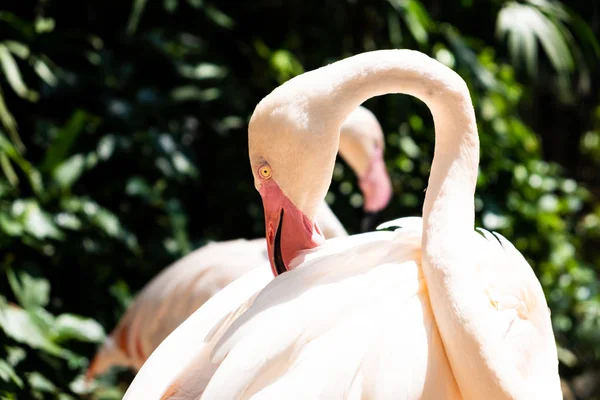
265,171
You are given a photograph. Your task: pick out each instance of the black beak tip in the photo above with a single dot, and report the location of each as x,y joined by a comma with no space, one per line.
369,221
278,258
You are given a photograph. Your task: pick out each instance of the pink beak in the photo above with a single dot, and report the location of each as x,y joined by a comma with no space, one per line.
288,230
376,187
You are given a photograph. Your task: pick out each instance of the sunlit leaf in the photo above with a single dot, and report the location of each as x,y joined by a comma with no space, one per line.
17,48
69,326
14,355
69,171
40,382
7,374
203,71
44,25
44,71
539,21
415,17
106,146
38,223
30,292
13,75
67,220
19,325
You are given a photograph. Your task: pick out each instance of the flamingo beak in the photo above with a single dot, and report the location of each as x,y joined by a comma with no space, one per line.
376,187
288,230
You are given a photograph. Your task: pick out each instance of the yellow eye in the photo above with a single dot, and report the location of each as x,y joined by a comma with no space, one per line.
265,171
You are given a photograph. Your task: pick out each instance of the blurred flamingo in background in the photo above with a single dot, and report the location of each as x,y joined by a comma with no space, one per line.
431,309
178,291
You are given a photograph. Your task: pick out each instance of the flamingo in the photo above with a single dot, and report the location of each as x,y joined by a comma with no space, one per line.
174,294
427,309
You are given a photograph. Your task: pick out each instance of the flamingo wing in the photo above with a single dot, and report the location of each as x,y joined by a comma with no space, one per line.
353,320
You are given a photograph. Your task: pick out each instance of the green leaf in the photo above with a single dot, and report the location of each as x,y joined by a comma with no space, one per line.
13,75
36,221
65,138
7,374
67,220
43,25
40,382
134,17
17,48
106,147
10,124
30,292
218,17
35,178
70,326
20,325
67,172
10,227
524,25
9,171
170,5
42,69
14,355
190,93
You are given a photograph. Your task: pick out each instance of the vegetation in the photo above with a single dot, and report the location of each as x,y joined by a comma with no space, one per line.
123,147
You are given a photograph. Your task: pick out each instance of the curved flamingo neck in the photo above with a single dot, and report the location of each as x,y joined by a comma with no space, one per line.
449,205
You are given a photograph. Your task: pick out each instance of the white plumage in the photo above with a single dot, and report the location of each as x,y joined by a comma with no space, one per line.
432,310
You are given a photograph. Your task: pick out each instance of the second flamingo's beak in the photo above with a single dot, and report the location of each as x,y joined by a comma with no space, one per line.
376,187
288,230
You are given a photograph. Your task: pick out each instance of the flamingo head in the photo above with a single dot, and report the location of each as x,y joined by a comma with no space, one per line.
362,145
292,156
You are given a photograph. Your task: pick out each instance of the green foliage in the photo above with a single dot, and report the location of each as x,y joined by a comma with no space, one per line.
123,147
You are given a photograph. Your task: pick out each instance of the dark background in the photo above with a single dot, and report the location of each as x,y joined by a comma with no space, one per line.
123,147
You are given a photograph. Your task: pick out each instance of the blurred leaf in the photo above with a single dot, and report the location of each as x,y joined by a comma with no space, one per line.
68,220
34,176
69,326
44,71
17,48
10,124
8,170
7,374
189,93
218,17
10,226
13,75
36,221
203,71
416,18
30,292
170,5
64,140
68,172
40,382
134,17
106,146
44,25
22,327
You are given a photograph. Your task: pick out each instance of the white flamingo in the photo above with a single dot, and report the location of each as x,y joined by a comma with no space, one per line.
178,291
432,310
